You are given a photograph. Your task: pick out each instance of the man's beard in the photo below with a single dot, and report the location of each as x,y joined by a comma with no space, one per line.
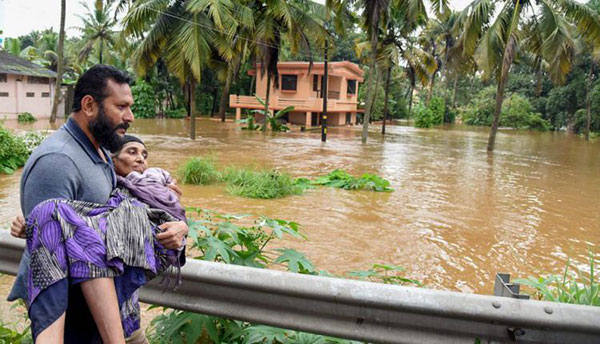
105,132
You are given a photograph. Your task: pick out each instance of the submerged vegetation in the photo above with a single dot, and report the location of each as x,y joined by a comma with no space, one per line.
14,150
343,180
265,184
24,117
268,184
199,171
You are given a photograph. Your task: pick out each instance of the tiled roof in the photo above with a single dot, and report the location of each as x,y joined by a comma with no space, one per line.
10,64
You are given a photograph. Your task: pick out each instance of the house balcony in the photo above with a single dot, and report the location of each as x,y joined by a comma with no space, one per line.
305,105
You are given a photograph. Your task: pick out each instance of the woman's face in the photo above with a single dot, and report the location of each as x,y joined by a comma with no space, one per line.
132,157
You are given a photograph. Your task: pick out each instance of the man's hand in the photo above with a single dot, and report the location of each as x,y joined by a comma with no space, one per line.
173,235
173,186
17,228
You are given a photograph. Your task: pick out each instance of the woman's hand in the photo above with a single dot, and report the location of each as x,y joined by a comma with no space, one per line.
173,235
17,228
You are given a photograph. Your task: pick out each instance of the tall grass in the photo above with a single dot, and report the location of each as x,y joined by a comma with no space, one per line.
265,184
577,288
199,170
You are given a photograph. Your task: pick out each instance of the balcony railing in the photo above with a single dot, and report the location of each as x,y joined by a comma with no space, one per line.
309,104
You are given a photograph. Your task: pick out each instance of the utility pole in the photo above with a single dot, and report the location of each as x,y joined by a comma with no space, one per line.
324,88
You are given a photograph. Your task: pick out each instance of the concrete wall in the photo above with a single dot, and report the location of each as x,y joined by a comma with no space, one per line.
18,87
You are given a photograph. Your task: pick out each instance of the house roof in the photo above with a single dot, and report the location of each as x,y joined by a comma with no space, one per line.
338,68
10,64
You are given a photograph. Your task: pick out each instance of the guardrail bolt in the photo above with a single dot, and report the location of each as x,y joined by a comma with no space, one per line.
548,310
513,333
496,304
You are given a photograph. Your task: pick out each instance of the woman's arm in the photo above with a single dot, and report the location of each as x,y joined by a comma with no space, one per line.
17,228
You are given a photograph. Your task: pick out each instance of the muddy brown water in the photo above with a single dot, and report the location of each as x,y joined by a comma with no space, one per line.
457,216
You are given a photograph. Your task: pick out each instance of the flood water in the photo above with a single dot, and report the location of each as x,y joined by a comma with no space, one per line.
457,215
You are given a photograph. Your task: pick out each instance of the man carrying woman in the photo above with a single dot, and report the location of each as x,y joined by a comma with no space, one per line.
79,256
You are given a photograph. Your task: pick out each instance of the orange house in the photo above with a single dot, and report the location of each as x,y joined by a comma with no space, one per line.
303,90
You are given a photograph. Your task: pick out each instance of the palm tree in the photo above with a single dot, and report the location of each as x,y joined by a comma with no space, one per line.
280,19
180,36
496,44
98,30
375,14
60,67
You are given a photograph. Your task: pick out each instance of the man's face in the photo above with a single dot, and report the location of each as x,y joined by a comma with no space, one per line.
114,115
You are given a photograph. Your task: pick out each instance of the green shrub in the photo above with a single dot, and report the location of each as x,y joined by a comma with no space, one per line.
450,115
480,110
265,184
426,117
423,117
176,113
25,117
13,151
438,108
144,105
517,111
199,170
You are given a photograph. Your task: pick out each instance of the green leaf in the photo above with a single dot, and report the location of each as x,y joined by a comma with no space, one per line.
296,261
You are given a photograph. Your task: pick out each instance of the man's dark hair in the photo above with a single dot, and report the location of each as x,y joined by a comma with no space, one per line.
93,83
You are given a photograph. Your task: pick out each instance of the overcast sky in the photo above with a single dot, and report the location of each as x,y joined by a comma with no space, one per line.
19,17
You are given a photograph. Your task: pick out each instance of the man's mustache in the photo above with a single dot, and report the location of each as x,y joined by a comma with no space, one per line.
122,126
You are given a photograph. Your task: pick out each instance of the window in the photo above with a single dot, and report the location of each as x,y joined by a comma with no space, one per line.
315,82
288,82
30,94
3,77
3,94
351,87
38,80
45,94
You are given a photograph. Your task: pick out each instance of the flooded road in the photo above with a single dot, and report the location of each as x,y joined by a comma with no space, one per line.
457,216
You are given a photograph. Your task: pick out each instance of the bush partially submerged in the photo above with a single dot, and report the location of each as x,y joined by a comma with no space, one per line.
25,117
265,184
13,151
343,180
199,170
517,111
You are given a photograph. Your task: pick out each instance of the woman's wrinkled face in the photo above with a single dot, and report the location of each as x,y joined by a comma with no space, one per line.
132,157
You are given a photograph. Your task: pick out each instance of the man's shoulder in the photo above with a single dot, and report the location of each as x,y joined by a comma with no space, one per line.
61,143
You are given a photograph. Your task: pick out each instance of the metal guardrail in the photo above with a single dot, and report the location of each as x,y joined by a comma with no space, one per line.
360,310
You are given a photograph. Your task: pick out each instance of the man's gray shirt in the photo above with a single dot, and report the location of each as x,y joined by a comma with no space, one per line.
66,165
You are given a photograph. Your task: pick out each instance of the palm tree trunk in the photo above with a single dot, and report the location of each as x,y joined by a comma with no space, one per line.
264,127
454,92
387,92
507,59
225,93
370,92
589,102
59,72
410,101
101,47
214,101
538,83
430,93
192,109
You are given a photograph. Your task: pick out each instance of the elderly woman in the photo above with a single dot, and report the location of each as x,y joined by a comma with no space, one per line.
77,241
